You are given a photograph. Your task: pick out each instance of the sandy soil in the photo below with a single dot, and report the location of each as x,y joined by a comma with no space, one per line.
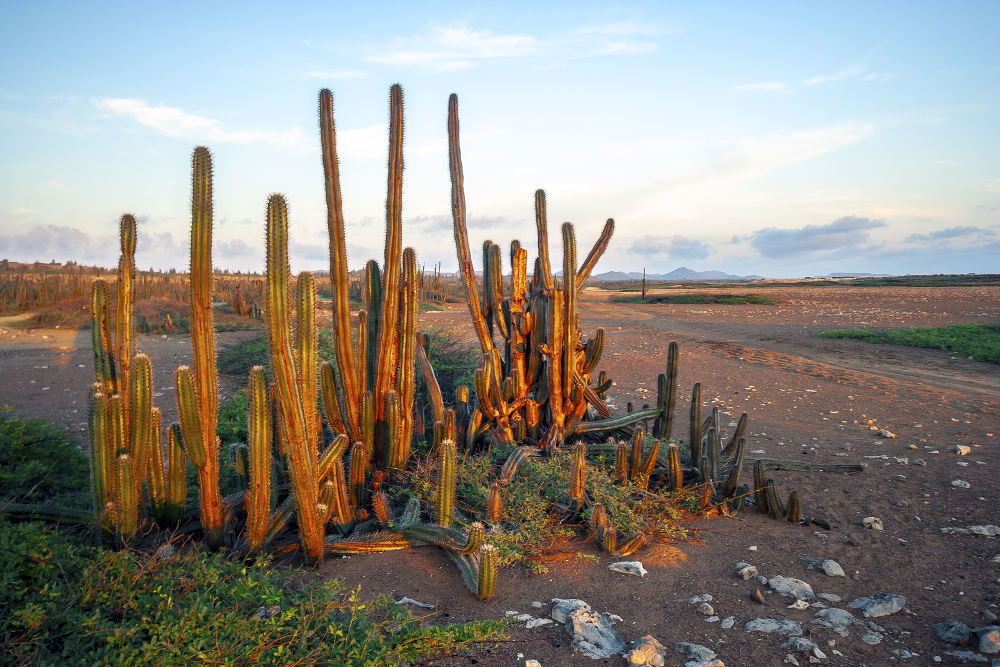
808,398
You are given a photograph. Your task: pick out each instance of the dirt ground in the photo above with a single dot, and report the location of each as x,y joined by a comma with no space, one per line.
808,398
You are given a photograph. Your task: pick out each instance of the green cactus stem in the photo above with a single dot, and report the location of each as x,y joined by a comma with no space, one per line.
444,503
674,464
696,422
577,477
260,438
741,427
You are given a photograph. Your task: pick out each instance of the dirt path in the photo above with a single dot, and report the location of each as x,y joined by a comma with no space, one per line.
808,398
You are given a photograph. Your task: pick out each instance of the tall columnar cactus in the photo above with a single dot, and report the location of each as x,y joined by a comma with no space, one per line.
260,438
124,324
198,404
445,499
301,456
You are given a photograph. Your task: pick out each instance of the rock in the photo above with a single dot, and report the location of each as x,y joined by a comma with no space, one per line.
968,657
745,571
960,484
790,659
873,523
800,644
695,652
838,618
788,586
537,623
633,567
832,568
878,604
757,596
411,601
704,597
646,651
953,632
706,609
989,530
537,605
705,663
872,638
268,612
989,615
962,450
829,597
799,604
593,635
787,628
903,653
728,622
562,608
532,663
989,639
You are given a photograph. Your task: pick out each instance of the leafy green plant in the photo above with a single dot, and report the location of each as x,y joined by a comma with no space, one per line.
977,341
38,462
64,603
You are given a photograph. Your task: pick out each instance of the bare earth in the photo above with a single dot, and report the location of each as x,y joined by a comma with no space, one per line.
808,398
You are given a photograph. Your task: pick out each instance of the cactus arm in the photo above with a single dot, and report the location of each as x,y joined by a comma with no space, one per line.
140,418
332,396
338,262
696,423
741,427
461,231
616,422
595,253
176,475
104,361
124,325
430,379
569,330
127,494
406,377
305,353
155,472
445,500
388,350
300,453
259,434
544,266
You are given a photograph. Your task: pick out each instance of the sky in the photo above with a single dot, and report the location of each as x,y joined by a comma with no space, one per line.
777,139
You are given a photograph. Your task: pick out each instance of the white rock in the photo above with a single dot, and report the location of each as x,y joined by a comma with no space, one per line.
411,601
537,623
646,651
784,627
832,568
728,622
706,609
562,608
799,604
532,663
704,597
791,587
872,522
745,571
593,635
695,652
960,484
878,604
962,450
633,567
988,530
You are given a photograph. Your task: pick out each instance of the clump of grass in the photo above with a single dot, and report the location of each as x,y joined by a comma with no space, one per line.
454,362
239,358
976,341
704,298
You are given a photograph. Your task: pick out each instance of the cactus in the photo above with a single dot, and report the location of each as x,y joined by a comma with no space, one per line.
696,434
260,438
577,477
445,501
301,452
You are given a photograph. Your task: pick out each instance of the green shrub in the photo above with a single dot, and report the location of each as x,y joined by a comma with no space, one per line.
63,603
38,463
976,341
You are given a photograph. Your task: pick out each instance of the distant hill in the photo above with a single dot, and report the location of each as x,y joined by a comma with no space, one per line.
682,274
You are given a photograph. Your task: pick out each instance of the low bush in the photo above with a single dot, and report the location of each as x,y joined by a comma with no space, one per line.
975,341
704,298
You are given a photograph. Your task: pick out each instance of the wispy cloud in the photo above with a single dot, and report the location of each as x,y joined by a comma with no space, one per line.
670,246
56,185
178,123
856,72
336,74
23,212
764,87
844,234
454,47
961,232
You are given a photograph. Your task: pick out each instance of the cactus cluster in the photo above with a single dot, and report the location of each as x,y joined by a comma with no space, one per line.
329,442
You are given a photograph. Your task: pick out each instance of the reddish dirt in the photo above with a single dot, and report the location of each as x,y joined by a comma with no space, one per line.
808,398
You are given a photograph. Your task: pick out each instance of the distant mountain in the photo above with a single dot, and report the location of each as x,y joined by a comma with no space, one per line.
679,274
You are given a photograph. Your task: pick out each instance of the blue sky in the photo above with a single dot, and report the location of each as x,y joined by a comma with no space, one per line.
781,139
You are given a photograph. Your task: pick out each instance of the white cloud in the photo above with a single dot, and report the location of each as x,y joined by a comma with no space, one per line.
57,185
21,211
764,87
454,47
847,73
178,123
